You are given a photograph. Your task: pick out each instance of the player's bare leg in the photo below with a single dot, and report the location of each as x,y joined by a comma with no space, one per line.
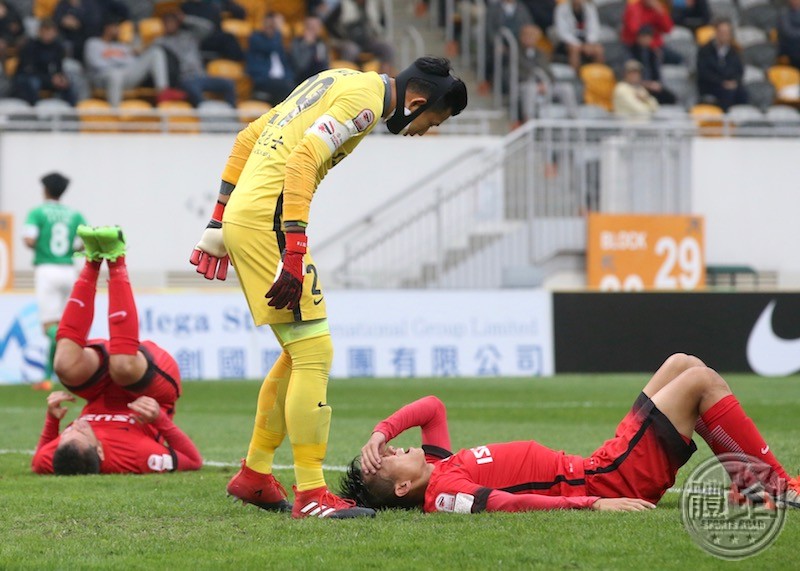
700,394
673,367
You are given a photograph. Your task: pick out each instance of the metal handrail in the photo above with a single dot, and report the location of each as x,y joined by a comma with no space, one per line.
388,19
480,37
411,35
449,20
504,34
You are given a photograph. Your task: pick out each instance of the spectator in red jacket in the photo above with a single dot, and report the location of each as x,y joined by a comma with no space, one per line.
649,13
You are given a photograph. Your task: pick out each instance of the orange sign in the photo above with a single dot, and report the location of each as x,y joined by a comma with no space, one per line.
6,251
645,252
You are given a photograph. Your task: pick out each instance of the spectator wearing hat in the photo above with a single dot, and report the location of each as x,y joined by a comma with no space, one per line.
51,232
41,66
643,52
631,99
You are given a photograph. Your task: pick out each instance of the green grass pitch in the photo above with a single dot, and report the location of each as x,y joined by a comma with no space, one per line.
184,520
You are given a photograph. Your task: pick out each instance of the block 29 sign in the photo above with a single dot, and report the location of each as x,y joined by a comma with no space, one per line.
6,249
645,252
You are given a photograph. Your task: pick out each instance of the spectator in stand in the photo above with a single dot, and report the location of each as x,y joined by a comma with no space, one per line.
41,66
356,27
537,84
643,52
649,13
789,32
78,20
115,66
309,52
691,14
720,69
267,63
184,46
506,14
5,81
542,12
218,43
578,31
631,99
12,31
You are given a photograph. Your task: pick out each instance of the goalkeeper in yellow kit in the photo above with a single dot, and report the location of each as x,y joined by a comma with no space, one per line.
259,221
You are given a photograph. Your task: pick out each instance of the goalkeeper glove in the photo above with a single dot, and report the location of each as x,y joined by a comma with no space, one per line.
210,255
288,286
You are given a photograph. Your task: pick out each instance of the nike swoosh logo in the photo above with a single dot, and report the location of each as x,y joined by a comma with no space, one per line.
318,301
79,302
768,354
765,449
122,314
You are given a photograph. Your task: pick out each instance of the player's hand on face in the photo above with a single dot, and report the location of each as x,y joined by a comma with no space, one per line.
622,505
372,452
54,401
145,409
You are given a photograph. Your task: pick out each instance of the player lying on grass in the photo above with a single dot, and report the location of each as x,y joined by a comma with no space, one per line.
131,386
627,473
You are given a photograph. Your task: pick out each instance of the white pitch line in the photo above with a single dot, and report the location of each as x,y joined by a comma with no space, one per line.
213,463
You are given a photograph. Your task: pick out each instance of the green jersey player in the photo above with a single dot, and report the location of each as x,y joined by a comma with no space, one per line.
50,230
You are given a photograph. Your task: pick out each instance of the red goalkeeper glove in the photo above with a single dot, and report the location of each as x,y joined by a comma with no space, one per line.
288,286
210,255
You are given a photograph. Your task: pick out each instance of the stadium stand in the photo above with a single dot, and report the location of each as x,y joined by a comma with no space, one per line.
599,81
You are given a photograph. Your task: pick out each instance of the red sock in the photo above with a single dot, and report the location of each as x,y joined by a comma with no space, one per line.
123,319
728,430
79,310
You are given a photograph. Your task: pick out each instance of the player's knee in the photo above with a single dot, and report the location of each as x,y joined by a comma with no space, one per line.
65,364
683,362
706,379
125,369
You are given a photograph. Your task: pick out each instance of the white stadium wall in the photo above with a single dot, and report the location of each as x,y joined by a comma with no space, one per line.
161,188
749,192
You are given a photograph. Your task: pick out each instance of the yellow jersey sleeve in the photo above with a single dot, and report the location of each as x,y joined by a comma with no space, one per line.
342,125
240,152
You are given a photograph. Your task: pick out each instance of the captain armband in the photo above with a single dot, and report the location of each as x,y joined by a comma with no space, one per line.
331,131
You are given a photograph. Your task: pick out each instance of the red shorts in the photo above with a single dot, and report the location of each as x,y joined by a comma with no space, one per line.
641,460
161,381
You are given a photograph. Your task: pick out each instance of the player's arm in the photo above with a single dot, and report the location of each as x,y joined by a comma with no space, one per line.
185,454
30,231
318,145
209,254
429,413
42,458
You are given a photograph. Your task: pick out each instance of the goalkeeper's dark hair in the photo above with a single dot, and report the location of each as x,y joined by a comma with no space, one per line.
72,460
454,100
374,492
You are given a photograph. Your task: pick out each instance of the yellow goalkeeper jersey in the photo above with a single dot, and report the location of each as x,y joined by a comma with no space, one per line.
279,159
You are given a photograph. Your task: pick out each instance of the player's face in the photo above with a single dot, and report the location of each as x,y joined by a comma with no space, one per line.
79,432
425,121
403,464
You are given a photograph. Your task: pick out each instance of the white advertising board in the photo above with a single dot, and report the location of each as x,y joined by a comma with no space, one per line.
375,334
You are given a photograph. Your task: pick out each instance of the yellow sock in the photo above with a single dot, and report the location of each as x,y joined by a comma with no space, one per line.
308,416
270,427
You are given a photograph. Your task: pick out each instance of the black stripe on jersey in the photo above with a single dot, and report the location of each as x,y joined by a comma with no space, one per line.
99,373
481,497
436,451
150,374
543,485
631,445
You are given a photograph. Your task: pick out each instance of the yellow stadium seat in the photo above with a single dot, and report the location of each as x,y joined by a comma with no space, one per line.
599,81
150,29
134,112
127,32
180,116
162,7
11,66
96,116
343,63
372,65
234,71
292,10
786,81
704,34
256,10
708,117
251,110
44,8
240,29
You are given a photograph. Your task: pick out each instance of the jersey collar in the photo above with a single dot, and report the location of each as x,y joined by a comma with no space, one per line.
387,95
